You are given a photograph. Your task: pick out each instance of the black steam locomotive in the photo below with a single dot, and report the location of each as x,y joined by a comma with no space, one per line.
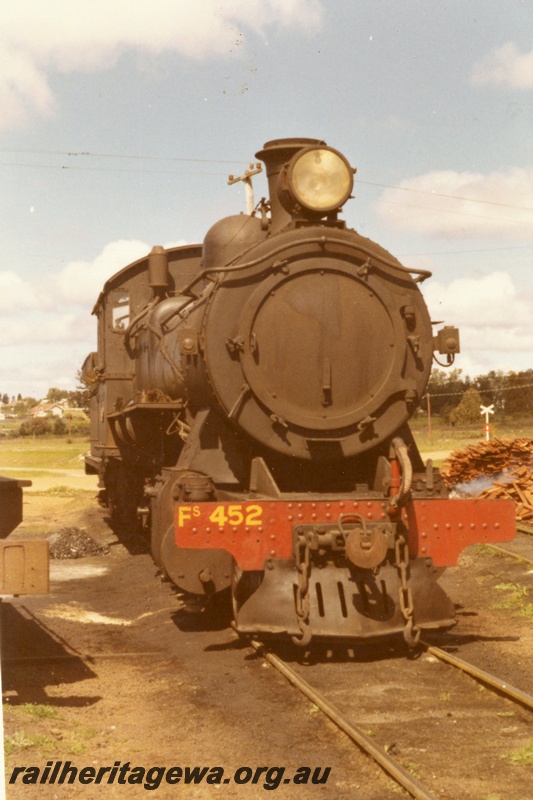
250,401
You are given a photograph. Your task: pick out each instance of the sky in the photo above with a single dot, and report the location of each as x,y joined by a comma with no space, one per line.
122,119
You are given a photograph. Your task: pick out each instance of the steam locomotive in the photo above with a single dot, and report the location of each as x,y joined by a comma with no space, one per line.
250,407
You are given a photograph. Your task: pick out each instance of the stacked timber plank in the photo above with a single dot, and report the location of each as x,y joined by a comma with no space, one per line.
507,463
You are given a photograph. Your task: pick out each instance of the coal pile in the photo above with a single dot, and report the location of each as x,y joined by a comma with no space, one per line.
75,543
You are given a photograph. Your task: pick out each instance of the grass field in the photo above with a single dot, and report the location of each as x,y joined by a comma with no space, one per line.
28,457
50,463
43,453
445,437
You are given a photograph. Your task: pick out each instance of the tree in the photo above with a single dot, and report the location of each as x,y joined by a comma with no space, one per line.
445,389
518,390
447,410
468,411
77,398
35,427
20,409
5,399
81,396
492,388
60,427
55,395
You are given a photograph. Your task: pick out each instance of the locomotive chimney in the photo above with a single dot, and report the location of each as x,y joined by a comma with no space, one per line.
275,154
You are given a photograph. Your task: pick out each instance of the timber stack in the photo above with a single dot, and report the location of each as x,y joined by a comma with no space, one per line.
509,462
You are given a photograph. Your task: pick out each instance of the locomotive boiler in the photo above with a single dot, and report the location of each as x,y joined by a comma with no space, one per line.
250,406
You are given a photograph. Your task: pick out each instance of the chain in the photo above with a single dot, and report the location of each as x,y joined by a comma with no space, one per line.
303,566
411,632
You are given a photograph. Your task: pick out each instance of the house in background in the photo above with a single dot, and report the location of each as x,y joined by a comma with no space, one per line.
58,410
44,409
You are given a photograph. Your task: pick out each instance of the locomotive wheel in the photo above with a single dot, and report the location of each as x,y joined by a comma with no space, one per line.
124,491
200,613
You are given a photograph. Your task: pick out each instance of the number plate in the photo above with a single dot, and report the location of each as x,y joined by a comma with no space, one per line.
220,515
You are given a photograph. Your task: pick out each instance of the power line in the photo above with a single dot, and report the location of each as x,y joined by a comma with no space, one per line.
89,154
454,211
449,196
490,390
137,157
68,168
462,252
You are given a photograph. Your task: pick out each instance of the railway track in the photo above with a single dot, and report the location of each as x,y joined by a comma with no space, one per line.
505,552
520,543
382,755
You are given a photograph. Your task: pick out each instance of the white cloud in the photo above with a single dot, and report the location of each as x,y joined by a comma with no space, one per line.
17,294
497,204
23,88
491,317
80,282
58,308
37,38
488,301
48,328
504,66
77,285
32,369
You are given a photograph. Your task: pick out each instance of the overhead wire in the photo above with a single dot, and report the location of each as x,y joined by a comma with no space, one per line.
88,153
68,168
138,157
432,392
449,196
463,252
454,211
185,160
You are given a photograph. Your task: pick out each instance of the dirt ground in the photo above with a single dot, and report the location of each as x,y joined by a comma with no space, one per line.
106,671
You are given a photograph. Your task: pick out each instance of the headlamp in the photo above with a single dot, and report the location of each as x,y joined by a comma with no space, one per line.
319,179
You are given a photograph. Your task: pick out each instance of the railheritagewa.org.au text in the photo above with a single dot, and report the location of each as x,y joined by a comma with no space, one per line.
151,778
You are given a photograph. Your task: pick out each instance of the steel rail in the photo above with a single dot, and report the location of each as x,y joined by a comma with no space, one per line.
395,770
503,687
516,556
